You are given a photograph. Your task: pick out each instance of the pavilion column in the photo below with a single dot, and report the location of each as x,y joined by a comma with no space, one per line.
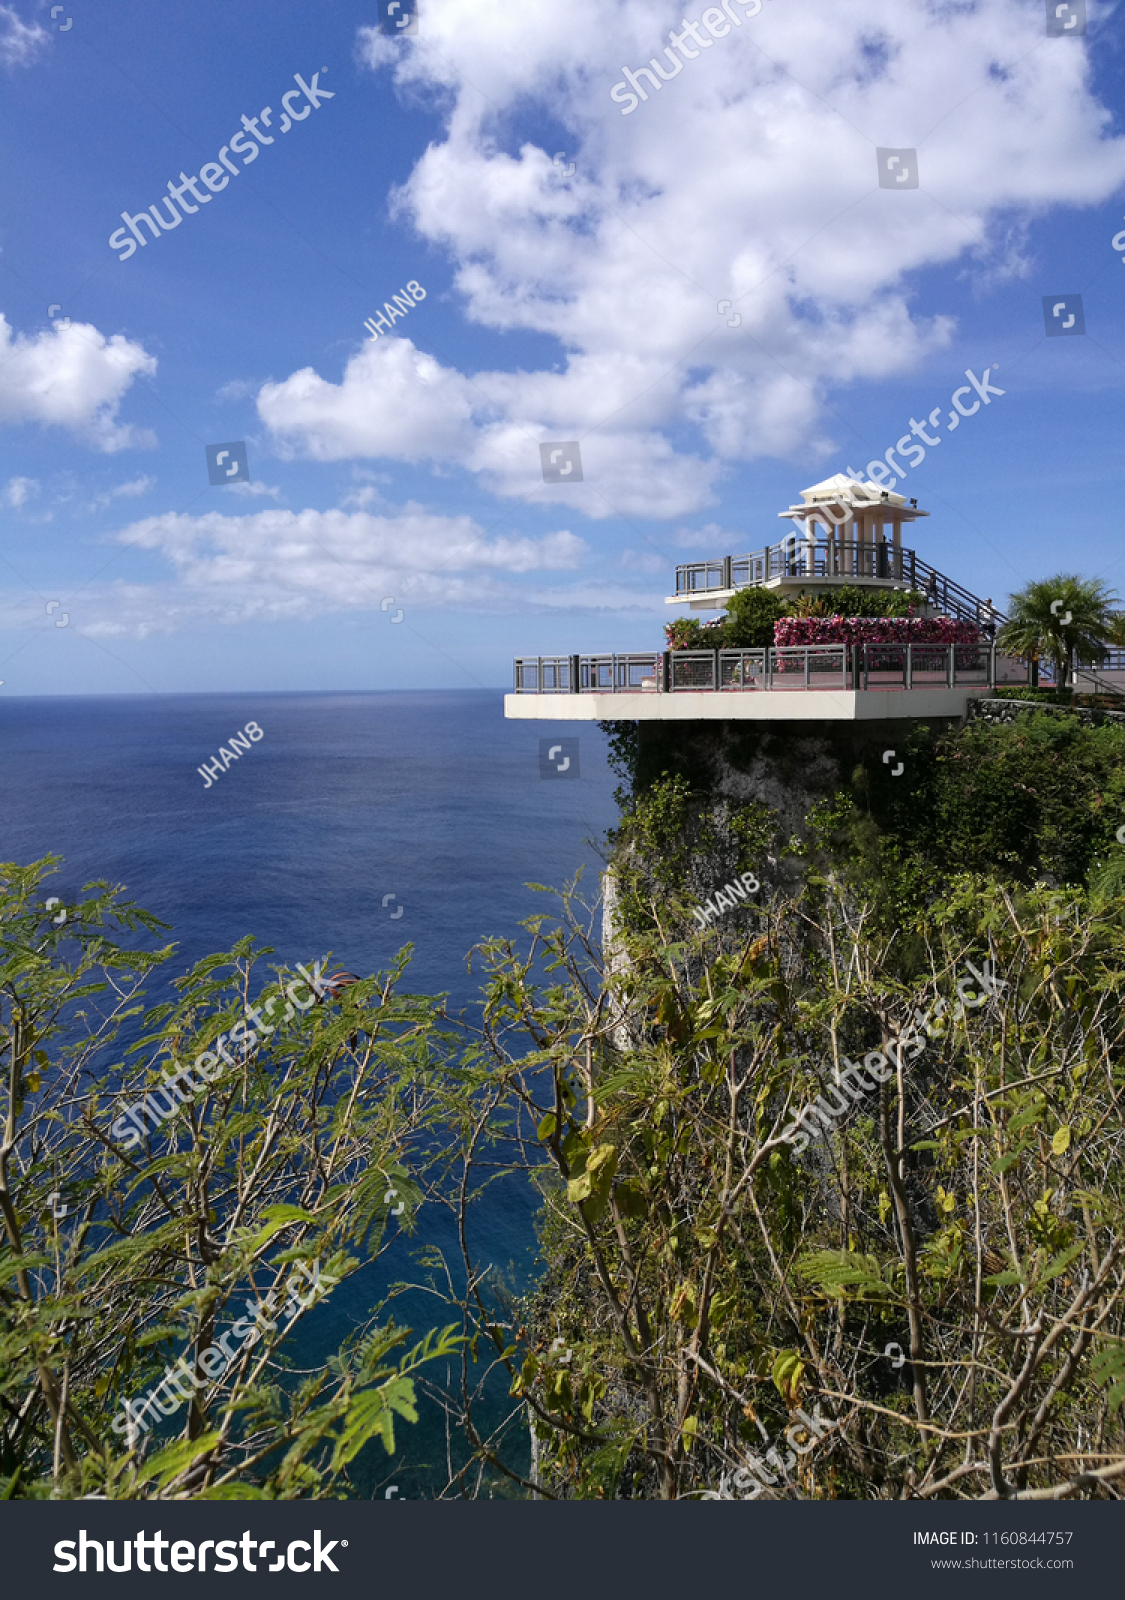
898,550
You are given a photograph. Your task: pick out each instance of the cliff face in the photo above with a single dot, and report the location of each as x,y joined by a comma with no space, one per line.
786,768
875,997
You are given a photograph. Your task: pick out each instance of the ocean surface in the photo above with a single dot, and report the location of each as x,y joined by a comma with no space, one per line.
357,824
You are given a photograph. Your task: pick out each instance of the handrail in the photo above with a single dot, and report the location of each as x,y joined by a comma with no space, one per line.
824,558
1114,662
788,668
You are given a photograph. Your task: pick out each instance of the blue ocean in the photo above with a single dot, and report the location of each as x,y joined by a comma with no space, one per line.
357,824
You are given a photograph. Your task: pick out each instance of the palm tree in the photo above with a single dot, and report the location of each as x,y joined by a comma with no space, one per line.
1059,618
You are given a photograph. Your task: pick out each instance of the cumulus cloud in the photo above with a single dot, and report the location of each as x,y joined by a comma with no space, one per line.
72,378
396,401
276,565
750,177
17,491
20,42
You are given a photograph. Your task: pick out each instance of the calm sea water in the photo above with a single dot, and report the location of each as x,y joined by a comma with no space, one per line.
429,798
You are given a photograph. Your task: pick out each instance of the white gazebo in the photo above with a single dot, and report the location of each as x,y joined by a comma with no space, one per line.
856,519
844,531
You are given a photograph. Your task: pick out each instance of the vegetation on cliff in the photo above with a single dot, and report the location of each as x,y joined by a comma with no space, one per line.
832,1196
926,1297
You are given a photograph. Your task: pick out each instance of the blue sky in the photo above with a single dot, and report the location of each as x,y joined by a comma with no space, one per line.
558,305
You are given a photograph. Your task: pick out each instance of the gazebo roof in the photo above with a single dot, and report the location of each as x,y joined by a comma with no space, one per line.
846,493
833,487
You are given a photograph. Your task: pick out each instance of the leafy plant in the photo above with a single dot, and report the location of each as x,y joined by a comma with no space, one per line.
124,1254
1060,618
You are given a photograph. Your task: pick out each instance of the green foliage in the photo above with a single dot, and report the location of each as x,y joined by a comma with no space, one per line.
688,633
1051,697
662,829
751,614
1036,624
754,827
623,754
279,1161
853,600
1041,796
753,1278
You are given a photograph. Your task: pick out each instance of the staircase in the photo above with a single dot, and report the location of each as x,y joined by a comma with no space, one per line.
951,597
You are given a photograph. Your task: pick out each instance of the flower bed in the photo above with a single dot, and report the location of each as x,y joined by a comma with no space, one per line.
874,630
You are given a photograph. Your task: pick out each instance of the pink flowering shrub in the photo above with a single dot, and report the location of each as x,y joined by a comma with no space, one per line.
874,630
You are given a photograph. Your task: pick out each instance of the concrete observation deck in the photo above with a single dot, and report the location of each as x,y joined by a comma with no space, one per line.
816,683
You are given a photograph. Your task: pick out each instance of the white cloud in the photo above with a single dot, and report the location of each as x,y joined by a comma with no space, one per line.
124,491
365,497
72,378
20,42
254,490
237,389
395,401
276,565
19,490
749,177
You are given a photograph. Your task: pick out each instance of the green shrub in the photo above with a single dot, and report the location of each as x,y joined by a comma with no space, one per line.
1047,697
751,615
687,633
850,600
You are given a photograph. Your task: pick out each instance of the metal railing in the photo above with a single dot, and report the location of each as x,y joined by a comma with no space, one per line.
1114,662
608,674
803,559
827,559
792,668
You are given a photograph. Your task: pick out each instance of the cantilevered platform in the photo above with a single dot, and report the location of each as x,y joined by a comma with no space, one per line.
797,683
822,705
